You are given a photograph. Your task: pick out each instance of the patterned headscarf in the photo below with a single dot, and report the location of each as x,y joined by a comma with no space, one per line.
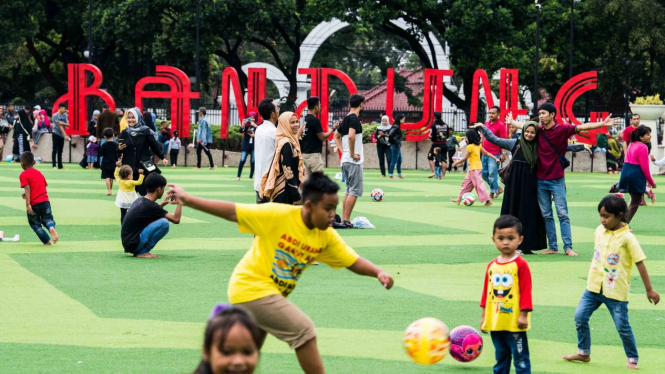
269,184
140,126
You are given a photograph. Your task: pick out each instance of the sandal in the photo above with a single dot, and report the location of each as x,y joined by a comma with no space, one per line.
348,224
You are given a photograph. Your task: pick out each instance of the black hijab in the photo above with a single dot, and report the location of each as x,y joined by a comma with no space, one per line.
147,118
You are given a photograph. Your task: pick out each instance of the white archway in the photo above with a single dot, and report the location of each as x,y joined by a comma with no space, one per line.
273,74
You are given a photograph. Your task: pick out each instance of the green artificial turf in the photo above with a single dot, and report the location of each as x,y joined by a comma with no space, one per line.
83,306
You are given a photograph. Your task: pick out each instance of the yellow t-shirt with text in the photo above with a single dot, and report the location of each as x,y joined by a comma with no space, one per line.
613,258
474,158
283,248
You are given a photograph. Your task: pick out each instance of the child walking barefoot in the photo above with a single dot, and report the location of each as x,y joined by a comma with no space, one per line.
473,178
609,279
231,343
127,188
37,203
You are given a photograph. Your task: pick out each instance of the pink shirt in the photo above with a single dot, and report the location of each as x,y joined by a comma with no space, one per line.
549,166
498,128
638,154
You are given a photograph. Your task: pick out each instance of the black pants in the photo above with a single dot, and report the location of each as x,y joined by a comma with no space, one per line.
21,144
58,147
451,154
174,156
384,153
123,212
200,147
635,201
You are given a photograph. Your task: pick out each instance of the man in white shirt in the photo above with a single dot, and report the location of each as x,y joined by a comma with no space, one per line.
350,134
264,142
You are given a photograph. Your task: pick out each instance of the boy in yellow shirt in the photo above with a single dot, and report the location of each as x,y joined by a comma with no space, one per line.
506,299
609,279
287,240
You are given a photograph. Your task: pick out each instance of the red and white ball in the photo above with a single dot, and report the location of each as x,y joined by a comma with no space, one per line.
377,194
468,199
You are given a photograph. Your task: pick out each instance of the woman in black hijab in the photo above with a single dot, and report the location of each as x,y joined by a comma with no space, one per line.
22,129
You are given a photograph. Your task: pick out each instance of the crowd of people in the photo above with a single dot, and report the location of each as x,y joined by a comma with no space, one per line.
292,192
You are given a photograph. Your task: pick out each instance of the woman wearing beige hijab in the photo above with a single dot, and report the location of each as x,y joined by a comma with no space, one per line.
281,184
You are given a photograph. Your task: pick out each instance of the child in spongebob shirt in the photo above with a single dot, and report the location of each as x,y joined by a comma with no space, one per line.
608,282
506,299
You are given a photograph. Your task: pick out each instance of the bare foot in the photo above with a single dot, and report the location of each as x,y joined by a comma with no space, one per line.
653,199
499,193
577,357
430,176
197,168
54,235
108,193
569,252
491,195
47,243
632,366
391,177
148,255
549,252
238,178
400,177
456,201
34,146
383,176
488,203
211,168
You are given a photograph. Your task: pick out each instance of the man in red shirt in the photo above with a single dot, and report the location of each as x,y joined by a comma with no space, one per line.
628,132
552,143
36,200
490,167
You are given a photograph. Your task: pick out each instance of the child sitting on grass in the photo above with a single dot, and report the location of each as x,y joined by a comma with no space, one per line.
36,200
287,240
506,299
231,342
126,187
608,282
473,178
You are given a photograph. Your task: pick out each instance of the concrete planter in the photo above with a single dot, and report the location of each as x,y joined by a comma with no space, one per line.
648,112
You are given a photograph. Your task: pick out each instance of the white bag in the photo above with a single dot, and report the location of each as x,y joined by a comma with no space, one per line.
362,223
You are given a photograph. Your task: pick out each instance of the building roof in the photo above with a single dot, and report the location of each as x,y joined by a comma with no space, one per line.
376,97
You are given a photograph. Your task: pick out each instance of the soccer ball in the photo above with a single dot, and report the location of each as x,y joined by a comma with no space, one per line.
466,344
377,194
468,199
426,341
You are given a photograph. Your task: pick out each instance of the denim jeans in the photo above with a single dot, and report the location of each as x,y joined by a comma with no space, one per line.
151,235
396,159
546,191
491,173
243,158
438,171
618,310
507,344
43,217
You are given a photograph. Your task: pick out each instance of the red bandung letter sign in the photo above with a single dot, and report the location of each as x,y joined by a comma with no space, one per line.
319,87
78,92
180,95
432,101
256,91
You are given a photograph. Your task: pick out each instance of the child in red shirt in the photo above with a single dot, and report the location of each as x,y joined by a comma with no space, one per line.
36,200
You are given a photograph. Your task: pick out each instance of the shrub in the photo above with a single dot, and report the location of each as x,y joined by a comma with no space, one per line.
649,100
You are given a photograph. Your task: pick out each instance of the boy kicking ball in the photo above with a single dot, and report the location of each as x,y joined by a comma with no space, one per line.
36,200
287,240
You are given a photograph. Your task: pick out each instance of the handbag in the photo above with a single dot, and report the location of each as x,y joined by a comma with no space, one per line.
504,172
384,140
562,159
148,165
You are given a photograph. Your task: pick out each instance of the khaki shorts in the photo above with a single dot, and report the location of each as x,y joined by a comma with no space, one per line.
313,162
353,174
281,318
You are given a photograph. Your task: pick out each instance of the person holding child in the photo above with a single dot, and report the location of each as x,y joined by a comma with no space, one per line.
138,145
521,192
302,231
108,154
608,282
473,177
506,300
37,203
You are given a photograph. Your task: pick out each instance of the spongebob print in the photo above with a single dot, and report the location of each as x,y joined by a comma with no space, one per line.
501,291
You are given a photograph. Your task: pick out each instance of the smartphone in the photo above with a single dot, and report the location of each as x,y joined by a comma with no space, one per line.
121,141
